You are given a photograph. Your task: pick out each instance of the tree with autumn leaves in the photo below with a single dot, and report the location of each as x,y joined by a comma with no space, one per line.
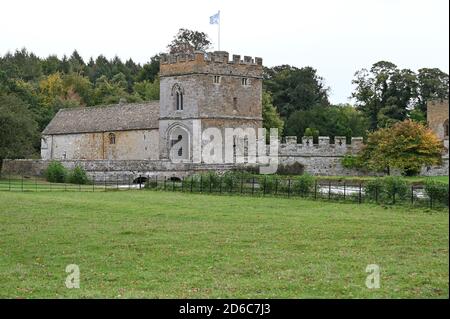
406,146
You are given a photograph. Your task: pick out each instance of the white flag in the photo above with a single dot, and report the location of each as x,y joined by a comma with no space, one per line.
215,19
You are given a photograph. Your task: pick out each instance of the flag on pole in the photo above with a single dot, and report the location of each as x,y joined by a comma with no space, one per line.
215,19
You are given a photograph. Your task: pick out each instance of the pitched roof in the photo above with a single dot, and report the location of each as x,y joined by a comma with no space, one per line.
118,117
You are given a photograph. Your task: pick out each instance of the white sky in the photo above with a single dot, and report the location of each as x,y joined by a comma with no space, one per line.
337,37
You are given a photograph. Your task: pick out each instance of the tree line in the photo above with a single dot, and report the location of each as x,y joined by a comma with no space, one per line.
296,100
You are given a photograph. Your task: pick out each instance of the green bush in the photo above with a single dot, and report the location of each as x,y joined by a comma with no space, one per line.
56,172
374,189
386,189
437,191
351,162
78,176
268,184
303,185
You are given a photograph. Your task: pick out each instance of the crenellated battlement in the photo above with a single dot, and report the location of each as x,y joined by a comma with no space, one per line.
217,62
306,145
214,57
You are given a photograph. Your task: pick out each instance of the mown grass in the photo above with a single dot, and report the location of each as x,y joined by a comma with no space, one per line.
163,245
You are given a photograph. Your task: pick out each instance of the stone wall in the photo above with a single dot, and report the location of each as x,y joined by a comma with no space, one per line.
113,170
323,158
133,144
318,159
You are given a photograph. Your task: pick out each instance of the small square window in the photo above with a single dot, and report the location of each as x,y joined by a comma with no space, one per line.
216,79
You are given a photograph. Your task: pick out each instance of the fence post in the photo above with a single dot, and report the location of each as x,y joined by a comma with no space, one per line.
140,181
220,184
173,184
393,196
22,184
253,185
104,180
359,194
431,201
192,182
329,190
289,187
165,183
9,181
412,194
265,181
182,184
201,183
376,194
35,183
242,181
93,183
345,187
315,189
117,181
210,183
276,186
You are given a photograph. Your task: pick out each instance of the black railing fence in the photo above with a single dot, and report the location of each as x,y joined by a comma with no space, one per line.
257,186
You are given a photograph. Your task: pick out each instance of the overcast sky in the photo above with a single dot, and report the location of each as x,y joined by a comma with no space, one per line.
335,37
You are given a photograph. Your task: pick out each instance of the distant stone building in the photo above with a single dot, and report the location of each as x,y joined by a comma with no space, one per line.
206,88
437,117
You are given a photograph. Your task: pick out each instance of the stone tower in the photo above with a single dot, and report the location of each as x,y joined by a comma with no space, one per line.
209,89
437,117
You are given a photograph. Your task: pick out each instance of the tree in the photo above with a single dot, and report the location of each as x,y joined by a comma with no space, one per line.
19,137
432,84
406,146
335,120
188,41
150,70
147,90
295,89
387,94
271,118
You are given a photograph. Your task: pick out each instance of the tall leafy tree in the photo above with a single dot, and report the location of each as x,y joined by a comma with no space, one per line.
271,118
432,84
188,41
18,129
406,146
295,89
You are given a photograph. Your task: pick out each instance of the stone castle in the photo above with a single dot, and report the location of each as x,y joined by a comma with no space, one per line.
128,140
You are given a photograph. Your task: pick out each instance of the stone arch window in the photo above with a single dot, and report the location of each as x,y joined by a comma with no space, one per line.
179,143
446,129
112,138
178,97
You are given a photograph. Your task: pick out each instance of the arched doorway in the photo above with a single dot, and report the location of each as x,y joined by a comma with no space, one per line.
179,143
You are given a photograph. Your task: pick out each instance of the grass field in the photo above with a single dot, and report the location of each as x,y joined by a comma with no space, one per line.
161,245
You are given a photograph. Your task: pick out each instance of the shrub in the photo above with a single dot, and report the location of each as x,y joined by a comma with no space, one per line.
351,162
374,189
56,172
304,184
437,191
386,189
78,176
231,179
268,183
291,169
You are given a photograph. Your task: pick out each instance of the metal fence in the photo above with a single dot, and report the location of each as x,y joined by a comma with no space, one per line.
329,190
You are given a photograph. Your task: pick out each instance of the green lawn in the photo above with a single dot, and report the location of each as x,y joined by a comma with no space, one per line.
159,245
